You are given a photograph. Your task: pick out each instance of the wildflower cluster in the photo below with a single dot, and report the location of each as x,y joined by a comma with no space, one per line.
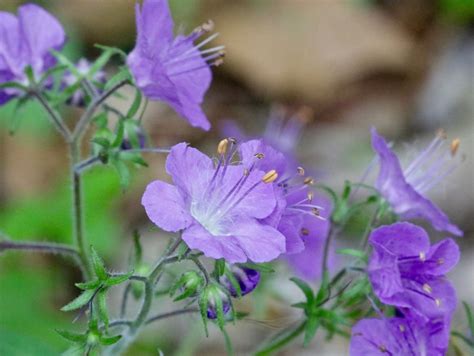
236,215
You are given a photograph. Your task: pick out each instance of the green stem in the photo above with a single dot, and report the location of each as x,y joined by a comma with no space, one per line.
280,342
78,212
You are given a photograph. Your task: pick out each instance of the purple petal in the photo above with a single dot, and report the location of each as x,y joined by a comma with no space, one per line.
290,226
443,257
400,239
403,198
374,337
41,33
227,247
9,43
165,206
154,27
261,243
384,274
186,166
272,158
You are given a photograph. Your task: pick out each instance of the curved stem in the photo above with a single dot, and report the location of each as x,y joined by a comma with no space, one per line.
201,268
280,342
170,314
89,113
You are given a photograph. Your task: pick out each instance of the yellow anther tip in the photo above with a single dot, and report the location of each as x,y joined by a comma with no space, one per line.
455,146
270,176
223,146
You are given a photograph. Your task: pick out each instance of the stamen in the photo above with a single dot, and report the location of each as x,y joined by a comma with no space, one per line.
402,328
422,256
427,288
304,231
270,176
382,348
259,155
437,302
316,211
300,171
222,147
308,181
455,146
310,196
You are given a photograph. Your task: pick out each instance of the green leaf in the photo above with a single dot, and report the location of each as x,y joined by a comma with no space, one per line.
307,290
133,157
30,75
114,280
261,267
99,266
104,340
135,105
14,85
347,190
354,253
119,135
51,71
80,301
182,250
100,62
102,141
62,59
469,316
102,304
72,336
300,305
123,171
114,50
88,285
101,120
310,329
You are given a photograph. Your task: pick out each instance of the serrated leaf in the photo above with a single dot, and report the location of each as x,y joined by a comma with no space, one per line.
114,280
109,340
80,301
310,329
99,266
72,336
88,285
305,288
102,304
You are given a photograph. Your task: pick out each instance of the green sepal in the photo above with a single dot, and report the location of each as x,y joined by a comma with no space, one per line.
361,255
80,301
305,288
114,280
30,75
133,157
219,267
300,305
14,85
123,172
311,326
121,75
137,249
261,267
102,305
109,340
220,313
203,300
100,120
51,71
119,134
72,336
114,50
102,141
137,101
99,266
100,62
233,281
182,250
88,285
62,59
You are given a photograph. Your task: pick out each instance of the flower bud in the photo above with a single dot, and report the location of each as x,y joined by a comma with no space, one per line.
189,284
215,298
246,278
140,138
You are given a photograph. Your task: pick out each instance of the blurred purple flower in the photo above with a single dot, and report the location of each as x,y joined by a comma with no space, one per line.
406,272
25,41
220,209
247,279
399,337
83,66
300,216
173,70
405,189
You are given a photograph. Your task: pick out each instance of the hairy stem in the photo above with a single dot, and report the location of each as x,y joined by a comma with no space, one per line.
89,113
171,314
52,115
281,341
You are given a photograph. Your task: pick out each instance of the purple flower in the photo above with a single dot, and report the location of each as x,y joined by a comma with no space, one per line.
406,272
399,337
215,296
247,279
172,69
83,66
27,40
405,189
220,209
297,214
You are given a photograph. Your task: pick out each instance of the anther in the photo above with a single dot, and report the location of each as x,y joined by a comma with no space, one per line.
300,171
304,231
259,155
422,256
246,172
455,146
308,181
223,146
382,348
218,62
438,302
270,176
310,196
207,26
402,328
427,288
315,211
441,133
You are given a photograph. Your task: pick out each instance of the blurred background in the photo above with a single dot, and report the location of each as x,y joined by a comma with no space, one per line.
404,66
